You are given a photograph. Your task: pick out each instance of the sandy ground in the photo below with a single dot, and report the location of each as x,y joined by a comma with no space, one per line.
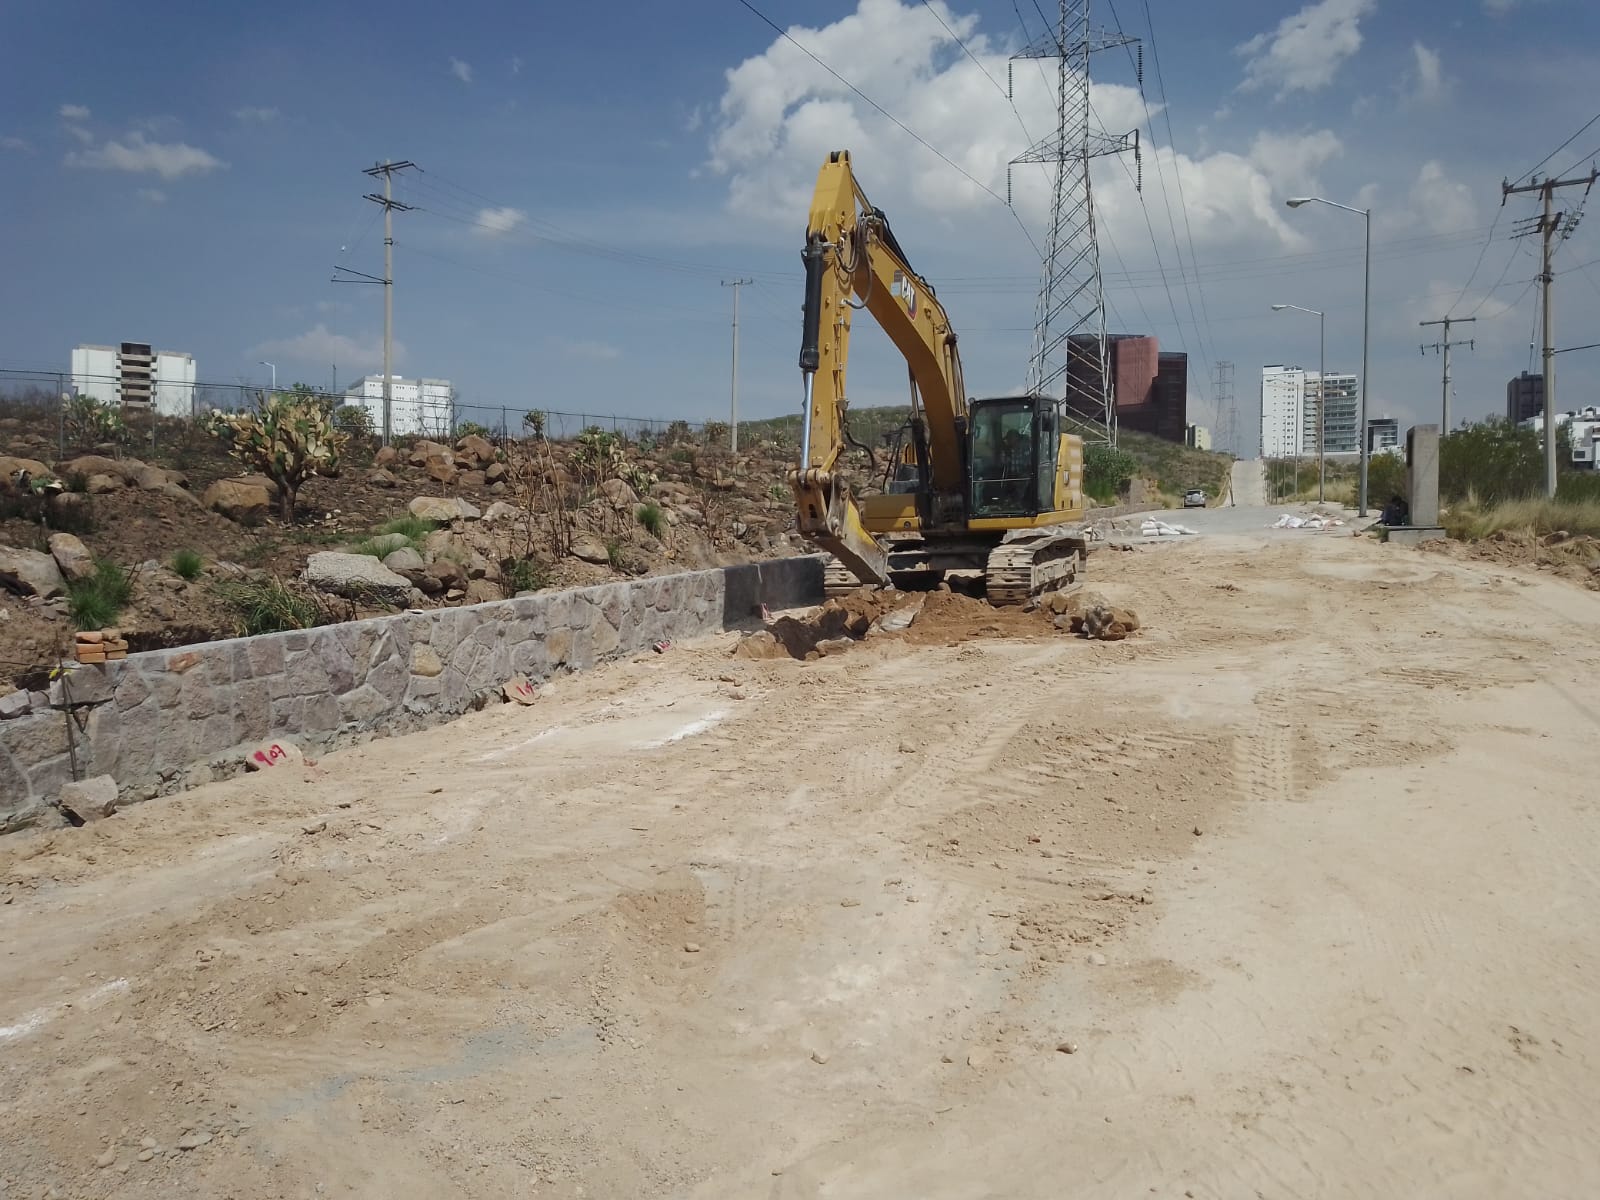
1291,895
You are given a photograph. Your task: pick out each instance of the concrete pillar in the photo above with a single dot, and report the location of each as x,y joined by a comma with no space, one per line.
1422,474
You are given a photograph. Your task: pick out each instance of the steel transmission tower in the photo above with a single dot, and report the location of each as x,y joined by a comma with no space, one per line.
1069,356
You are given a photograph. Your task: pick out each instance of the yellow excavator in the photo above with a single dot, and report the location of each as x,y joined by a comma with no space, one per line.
979,489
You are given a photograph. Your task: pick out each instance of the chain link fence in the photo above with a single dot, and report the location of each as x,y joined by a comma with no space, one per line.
180,406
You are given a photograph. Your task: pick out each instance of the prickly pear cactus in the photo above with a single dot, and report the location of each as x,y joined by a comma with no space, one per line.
288,437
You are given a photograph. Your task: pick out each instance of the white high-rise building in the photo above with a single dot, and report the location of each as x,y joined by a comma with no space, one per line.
133,375
416,406
1283,412
1291,412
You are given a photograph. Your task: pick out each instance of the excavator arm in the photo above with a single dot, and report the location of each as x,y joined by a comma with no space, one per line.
850,252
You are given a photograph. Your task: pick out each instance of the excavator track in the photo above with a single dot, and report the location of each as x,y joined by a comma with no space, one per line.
837,579
1033,564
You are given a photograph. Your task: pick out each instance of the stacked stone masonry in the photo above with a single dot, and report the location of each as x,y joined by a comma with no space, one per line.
170,719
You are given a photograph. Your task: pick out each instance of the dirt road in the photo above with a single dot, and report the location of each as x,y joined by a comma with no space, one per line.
1291,895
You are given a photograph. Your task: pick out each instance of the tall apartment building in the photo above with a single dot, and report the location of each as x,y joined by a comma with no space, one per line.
133,375
416,406
1524,398
1341,430
1292,402
1283,412
1383,435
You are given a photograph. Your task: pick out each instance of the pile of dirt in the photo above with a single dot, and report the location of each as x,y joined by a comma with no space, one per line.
1572,557
939,618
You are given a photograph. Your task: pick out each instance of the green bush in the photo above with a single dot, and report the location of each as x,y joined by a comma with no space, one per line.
653,520
534,421
1107,471
96,602
354,419
524,575
188,564
614,555
472,429
716,433
270,606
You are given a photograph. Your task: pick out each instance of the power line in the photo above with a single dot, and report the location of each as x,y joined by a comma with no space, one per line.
896,121
1183,202
1528,173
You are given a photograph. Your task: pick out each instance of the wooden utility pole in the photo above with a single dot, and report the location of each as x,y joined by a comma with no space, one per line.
1549,225
1443,347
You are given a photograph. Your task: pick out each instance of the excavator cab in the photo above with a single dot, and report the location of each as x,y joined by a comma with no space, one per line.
1013,443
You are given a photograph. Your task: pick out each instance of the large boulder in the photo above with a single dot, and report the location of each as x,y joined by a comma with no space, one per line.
88,465
448,572
440,467
477,448
72,556
238,500
500,510
156,479
618,494
30,573
404,561
422,451
12,465
379,477
356,577
100,485
442,508
590,548
388,456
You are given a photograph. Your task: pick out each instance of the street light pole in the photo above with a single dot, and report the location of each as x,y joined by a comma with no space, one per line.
1366,329
264,363
1322,395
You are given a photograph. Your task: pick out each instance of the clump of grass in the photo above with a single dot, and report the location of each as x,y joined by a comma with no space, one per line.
96,602
414,528
270,606
400,533
653,519
187,564
614,554
1469,520
524,574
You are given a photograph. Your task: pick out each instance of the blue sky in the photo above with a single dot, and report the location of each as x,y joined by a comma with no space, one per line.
590,173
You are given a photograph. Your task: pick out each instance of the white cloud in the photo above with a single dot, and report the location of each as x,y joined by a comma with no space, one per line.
320,346
516,64
74,112
21,145
83,135
252,114
152,195
1427,82
461,70
780,114
170,160
598,351
1440,204
1306,50
496,222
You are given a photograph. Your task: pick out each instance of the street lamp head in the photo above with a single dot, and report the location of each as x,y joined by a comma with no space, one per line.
1279,307
1299,200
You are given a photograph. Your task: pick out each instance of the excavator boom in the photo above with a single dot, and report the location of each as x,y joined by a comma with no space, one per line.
852,260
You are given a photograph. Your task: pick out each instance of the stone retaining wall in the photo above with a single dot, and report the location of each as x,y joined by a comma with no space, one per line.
170,719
